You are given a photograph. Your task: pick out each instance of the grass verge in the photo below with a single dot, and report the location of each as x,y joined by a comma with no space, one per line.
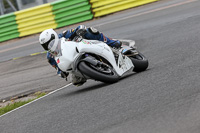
15,105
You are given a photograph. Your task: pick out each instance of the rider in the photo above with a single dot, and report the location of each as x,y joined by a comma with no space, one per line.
88,33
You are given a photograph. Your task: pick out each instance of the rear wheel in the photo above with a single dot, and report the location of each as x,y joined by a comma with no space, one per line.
101,72
140,62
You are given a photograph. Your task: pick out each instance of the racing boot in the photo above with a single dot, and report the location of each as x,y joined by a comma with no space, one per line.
94,34
115,44
112,43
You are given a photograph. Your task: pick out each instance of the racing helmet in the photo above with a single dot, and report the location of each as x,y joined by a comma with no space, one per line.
46,37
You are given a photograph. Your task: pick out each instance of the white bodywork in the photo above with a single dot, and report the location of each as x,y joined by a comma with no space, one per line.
72,50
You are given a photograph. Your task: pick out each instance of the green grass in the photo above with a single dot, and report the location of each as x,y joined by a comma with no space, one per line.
15,105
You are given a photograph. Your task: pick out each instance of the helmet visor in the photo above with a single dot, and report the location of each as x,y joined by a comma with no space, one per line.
55,47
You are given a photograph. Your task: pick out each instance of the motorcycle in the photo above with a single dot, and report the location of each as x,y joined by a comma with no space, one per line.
91,59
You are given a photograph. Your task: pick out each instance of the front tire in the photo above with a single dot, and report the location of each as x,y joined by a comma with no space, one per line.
94,72
140,62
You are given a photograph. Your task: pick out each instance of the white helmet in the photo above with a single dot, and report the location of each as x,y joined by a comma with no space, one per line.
46,37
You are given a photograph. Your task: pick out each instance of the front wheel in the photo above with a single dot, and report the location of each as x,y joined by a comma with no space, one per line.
140,62
101,72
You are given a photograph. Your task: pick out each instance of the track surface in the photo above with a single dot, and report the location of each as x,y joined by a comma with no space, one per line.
163,99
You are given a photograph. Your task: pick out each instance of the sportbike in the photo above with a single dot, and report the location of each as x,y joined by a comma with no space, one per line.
92,59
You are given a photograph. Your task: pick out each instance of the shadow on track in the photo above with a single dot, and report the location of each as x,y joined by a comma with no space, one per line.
91,88
131,74
87,89
126,76
101,84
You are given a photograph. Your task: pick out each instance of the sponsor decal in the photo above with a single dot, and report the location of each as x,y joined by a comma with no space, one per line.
85,42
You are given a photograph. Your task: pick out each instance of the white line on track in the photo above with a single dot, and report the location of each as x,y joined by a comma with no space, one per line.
36,100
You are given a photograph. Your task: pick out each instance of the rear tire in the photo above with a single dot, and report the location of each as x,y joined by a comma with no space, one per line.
140,62
92,72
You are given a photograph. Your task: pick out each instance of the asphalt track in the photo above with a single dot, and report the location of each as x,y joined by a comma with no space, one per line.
163,99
